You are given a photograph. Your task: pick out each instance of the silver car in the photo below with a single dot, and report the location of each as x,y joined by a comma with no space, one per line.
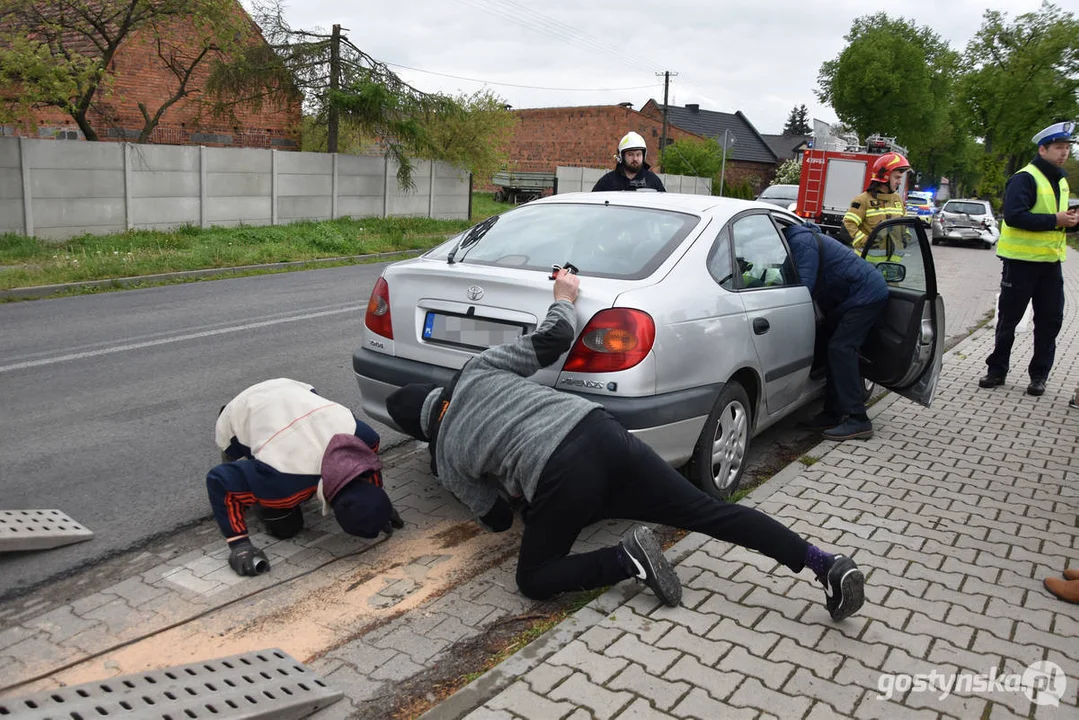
694,330
966,221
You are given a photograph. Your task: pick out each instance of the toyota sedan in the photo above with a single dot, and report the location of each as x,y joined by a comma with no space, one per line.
694,328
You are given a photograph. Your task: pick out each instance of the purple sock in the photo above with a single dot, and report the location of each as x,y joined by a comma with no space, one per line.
819,561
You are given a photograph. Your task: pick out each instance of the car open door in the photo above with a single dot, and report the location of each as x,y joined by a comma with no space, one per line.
903,351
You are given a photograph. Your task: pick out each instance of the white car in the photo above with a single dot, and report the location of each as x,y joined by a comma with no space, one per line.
694,329
966,221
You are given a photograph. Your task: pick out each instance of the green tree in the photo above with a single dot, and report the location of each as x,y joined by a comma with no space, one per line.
893,78
701,158
60,53
472,131
798,121
1023,76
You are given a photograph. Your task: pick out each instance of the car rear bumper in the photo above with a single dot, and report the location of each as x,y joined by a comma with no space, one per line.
670,423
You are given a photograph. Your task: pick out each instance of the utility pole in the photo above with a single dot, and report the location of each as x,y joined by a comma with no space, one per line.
666,86
723,162
332,118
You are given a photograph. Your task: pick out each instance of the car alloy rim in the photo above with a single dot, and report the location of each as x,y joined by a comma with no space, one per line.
729,445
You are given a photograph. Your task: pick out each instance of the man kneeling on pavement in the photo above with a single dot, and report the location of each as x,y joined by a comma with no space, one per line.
281,444
573,465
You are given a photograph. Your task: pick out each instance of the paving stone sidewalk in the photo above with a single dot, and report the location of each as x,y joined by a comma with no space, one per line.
956,512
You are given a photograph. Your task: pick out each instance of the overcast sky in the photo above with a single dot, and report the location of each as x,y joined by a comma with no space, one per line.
758,57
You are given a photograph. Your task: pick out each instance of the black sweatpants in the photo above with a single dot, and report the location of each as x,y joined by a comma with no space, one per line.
843,393
599,472
1022,282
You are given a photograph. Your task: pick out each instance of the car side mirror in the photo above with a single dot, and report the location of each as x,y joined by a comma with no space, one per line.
892,272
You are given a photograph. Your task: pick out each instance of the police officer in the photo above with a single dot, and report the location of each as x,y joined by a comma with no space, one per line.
881,201
631,171
1031,248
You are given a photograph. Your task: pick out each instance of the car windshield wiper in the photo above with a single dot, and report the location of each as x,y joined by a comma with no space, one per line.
472,237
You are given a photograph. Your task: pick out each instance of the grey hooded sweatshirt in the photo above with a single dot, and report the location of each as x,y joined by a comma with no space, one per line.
501,428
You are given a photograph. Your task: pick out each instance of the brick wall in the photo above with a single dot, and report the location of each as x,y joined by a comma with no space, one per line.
141,75
580,136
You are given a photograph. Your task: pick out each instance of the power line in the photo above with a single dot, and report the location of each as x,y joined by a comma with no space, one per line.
528,18
530,87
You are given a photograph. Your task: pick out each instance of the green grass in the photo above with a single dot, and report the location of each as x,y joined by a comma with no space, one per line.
29,262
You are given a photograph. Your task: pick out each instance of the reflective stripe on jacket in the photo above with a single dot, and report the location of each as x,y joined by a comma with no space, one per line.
867,211
1031,245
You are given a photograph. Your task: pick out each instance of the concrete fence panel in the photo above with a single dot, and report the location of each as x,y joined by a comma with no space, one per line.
58,189
164,186
11,197
577,179
76,188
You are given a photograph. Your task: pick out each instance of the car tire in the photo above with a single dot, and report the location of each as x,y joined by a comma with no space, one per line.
720,454
936,241
986,245
868,388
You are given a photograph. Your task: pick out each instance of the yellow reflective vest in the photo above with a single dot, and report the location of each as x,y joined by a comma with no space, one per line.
1035,245
866,212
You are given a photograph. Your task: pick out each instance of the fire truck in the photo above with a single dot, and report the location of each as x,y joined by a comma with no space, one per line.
833,175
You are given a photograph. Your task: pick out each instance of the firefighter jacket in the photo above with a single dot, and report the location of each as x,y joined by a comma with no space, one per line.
869,210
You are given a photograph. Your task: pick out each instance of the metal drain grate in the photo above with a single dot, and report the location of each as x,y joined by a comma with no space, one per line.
38,530
264,684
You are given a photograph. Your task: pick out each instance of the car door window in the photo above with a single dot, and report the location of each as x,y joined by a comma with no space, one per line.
719,261
763,260
898,244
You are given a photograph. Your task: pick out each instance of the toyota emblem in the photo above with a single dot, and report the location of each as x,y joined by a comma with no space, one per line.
474,293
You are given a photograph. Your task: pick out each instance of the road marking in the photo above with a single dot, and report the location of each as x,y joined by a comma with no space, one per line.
178,338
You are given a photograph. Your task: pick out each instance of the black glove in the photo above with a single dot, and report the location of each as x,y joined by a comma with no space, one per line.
246,559
395,522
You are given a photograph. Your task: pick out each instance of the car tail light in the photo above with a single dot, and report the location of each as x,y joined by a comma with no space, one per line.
378,310
614,339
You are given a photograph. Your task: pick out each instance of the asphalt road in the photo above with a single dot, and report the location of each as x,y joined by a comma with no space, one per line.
108,402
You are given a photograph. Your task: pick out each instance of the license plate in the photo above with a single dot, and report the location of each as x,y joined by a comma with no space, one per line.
468,332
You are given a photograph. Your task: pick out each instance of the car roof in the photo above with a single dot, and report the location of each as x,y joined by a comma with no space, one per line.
974,200
678,202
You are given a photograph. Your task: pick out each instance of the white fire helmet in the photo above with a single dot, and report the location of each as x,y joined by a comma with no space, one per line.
631,141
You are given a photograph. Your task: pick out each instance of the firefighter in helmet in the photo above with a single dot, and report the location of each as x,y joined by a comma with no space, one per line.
881,201
631,171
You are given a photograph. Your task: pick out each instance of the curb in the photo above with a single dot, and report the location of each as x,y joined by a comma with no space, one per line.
44,291
539,651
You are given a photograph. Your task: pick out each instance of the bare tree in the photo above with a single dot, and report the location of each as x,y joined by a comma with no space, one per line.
62,54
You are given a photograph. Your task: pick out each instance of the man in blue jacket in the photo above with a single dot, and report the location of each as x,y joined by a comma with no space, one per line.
852,296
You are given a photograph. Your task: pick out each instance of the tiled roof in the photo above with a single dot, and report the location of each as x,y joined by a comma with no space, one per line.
784,145
749,145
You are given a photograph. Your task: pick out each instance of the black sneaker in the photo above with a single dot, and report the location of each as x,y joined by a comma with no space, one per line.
850,429
991,381
1036,388
652,568
844,588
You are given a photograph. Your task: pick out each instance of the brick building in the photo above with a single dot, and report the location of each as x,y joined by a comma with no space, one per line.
749,160
581,136
139,75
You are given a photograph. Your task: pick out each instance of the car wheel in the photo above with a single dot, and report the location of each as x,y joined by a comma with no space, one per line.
936,241
868,388
719,458
986,245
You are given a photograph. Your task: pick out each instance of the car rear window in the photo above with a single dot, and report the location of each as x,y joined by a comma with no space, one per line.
777,192
968,208
913,199
600,240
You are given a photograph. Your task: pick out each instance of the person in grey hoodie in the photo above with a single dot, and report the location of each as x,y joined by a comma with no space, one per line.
494,434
